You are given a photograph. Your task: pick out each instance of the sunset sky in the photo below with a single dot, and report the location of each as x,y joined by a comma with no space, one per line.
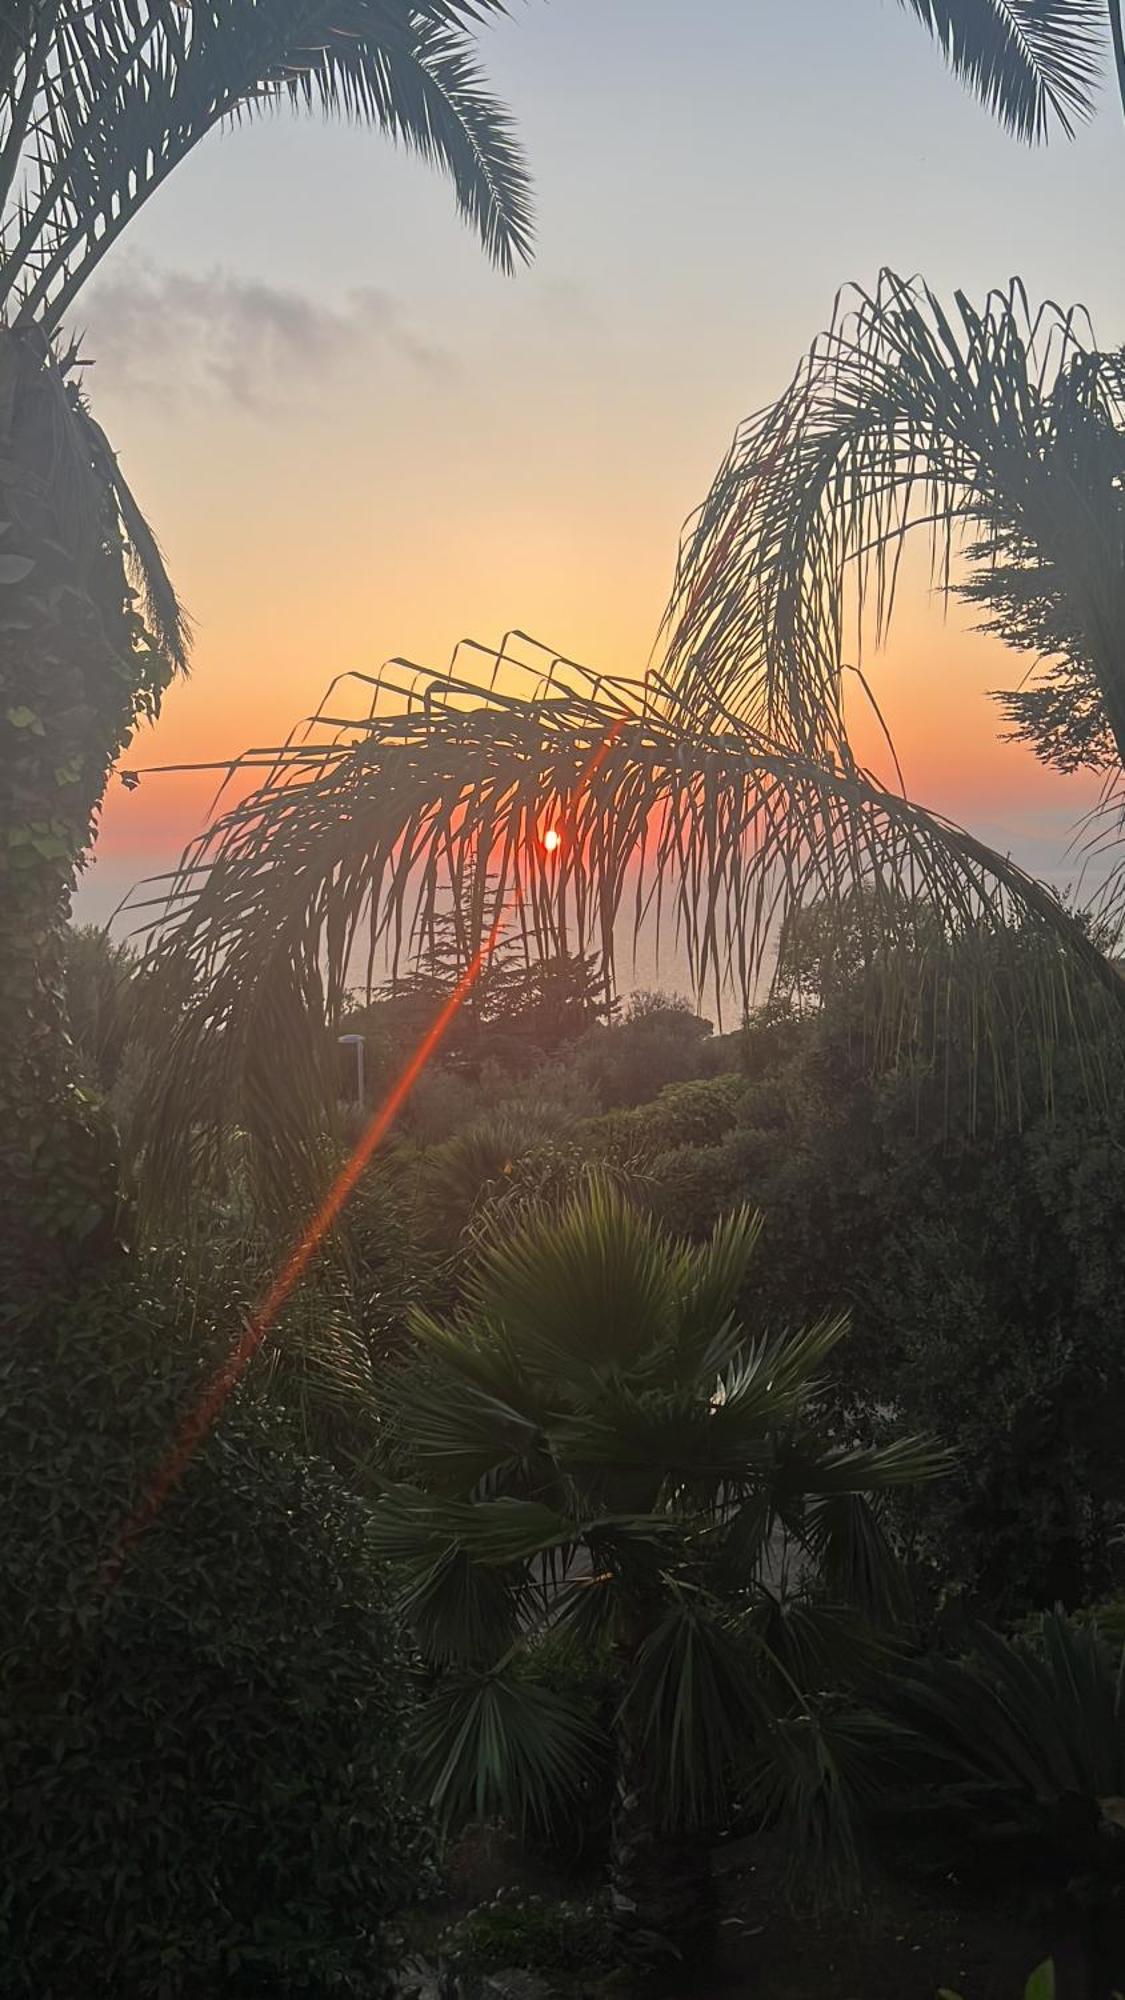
356,439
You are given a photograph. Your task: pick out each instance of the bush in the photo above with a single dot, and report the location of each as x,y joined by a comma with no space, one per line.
202,1788
1015,1755
536,1935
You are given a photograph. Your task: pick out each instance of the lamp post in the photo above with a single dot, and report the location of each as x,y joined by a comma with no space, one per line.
357,1043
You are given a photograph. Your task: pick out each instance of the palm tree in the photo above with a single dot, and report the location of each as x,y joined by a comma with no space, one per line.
595,1445
724,785
1030,61
1019,1752
98,105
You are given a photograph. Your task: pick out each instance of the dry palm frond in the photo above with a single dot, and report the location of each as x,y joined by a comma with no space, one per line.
361,833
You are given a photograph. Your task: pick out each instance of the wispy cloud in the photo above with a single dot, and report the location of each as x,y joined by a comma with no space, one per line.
240,338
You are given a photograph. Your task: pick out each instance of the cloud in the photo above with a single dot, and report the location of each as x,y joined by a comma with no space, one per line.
239,338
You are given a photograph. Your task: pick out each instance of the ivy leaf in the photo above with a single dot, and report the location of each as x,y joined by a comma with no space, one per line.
13,569
22,717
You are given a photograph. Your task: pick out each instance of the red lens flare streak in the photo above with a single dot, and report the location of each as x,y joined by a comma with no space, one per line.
202,1417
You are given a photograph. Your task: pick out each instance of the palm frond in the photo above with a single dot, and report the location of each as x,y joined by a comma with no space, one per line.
98,105
694,1705
1001,423
363,829
464,1569
815,1778
585,1288
846,1537
901,1462
709,1282
165,617
410,1525
1031,1718
490,1744
460,1434
1029,61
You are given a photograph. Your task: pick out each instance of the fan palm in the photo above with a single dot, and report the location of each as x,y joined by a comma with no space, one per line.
98,105
597,1445
723,787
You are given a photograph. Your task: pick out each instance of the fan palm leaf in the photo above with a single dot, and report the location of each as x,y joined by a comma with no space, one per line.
489,1743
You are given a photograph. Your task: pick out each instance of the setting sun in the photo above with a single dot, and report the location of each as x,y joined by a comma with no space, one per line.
551,839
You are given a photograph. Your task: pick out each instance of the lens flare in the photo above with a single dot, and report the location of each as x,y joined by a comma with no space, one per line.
203,1416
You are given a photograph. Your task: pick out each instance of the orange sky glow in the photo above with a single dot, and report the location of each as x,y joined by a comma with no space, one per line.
357,441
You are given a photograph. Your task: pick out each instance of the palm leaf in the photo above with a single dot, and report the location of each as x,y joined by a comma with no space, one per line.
164,615
693,1704
1027,60
588,1287
409,1525
362,830
491,1744
1030,1719
98,105
710,1282
999,421
815,1778
460,1435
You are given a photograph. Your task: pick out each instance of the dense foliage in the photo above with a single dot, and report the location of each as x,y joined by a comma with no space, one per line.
598,1443
202,1786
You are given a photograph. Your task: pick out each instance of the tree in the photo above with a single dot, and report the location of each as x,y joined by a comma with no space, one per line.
97,106
520,1007
597,1444
982,1272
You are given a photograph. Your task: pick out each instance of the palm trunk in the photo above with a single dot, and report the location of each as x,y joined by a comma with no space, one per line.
1104,1946
69,673
662,1885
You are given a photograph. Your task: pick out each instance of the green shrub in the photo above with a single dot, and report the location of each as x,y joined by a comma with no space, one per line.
532,1933
201,1788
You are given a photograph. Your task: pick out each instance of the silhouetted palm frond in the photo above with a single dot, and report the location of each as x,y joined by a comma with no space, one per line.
1002,426
1029,61
364,829
98,105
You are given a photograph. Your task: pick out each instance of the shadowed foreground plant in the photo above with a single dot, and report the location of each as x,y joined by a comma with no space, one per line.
596,1444
1019,1749
203,1787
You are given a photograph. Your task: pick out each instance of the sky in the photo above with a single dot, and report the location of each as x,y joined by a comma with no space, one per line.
357,440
